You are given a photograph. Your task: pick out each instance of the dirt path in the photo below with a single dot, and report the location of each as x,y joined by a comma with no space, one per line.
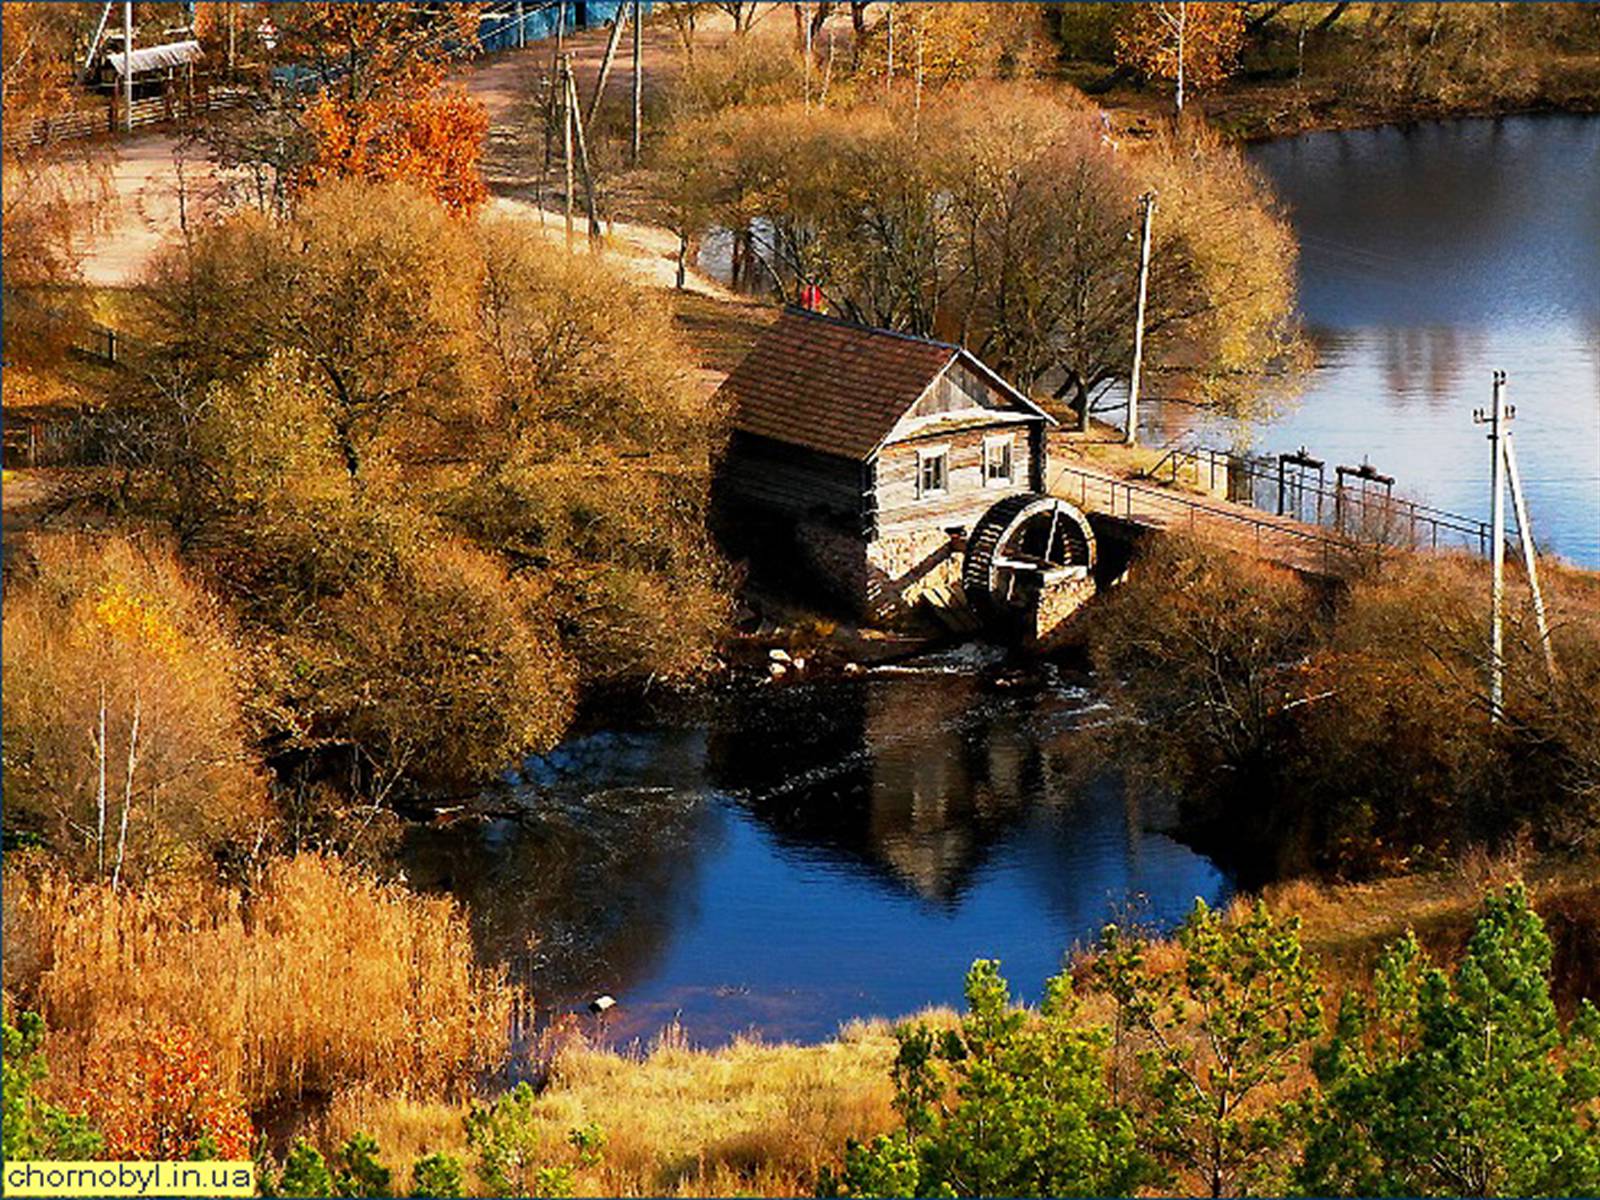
157,175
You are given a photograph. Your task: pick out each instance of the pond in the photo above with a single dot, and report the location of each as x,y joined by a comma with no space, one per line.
786,858
1430,256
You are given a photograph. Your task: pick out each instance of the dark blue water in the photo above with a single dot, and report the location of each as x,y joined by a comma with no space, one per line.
1431,256
788,858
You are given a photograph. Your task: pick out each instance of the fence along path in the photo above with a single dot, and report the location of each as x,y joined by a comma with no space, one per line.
1282,540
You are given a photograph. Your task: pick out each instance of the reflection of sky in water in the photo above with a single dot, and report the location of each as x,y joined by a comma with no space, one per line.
794,858
1430,257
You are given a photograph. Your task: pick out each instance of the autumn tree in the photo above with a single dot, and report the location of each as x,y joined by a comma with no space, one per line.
125,740
432,139
1013,231
1195,45
934,45
425,625
380,108
373,287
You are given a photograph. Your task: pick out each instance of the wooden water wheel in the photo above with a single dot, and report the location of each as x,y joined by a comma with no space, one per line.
1021,545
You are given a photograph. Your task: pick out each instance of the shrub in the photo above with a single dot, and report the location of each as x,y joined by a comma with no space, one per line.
320,978
32,1127
514,1158
123,732
436,1175
155,1091
305,1172
1010,1103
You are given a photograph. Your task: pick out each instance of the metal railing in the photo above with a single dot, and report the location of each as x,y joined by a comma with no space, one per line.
1146,503
1356,513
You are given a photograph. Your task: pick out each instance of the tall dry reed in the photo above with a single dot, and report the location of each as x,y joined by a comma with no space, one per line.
322,978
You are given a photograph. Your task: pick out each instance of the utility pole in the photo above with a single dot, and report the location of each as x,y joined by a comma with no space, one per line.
583,155
612,42
232,22
1530,562
1496,419
638,81
567,105
805,20
1147,203
127,66
522,28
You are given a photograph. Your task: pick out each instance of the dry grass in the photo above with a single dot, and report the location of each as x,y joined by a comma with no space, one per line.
322,978
1346,926
746,1119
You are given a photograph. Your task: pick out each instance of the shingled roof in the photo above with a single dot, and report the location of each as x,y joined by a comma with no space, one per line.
837,387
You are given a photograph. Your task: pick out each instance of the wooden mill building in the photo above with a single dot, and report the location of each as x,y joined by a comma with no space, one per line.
871,457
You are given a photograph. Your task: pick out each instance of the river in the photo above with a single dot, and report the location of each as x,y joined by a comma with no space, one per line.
785,858
1432,255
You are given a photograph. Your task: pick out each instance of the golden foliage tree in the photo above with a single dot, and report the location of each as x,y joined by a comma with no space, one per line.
125,745
430,625
432,140
1195,45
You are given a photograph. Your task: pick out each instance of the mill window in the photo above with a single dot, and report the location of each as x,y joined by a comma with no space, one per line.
997,461
933,470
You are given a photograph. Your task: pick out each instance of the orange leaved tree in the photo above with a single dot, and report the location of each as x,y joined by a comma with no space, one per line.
383,110
432,141
159,1096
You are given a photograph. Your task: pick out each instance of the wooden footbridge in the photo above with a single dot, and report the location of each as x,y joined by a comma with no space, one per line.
1145,502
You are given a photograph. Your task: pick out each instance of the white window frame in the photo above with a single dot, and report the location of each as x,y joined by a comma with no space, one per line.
991,444
924,455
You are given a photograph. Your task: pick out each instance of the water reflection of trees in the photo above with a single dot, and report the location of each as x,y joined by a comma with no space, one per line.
1427,363
914,780
584,892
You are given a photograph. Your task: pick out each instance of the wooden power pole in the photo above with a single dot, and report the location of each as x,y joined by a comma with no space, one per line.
638,81
1147,204
1530,561
1496,418
127,66
576,126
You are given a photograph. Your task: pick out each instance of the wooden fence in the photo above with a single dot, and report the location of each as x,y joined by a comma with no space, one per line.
153,110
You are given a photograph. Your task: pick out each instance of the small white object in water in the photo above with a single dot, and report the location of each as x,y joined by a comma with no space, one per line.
777,670
779,655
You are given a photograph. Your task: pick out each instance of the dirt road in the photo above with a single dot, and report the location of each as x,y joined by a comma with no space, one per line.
159,178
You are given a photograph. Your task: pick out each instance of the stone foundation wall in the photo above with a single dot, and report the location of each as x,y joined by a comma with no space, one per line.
881,580
1053,608
903,567
838,559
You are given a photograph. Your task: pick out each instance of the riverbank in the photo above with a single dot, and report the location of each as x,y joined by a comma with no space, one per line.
1257,109
1307,66
753,1118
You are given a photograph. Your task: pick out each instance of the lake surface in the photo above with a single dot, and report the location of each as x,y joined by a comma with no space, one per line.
785,858
1431,256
